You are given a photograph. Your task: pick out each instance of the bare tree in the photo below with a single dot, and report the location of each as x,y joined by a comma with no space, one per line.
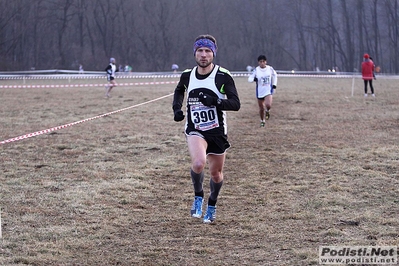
392,12
152,35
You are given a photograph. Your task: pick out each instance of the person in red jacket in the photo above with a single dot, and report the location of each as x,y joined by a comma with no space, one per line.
368,74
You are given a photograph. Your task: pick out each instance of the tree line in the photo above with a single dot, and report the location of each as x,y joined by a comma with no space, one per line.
151,35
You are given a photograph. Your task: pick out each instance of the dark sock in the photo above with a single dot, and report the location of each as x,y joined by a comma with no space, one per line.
199,194
211,202
197,179
215,189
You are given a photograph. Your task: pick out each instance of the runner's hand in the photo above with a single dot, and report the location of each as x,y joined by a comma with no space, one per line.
208,100
179,116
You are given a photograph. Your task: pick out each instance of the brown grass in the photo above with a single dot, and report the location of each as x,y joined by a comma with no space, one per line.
116,190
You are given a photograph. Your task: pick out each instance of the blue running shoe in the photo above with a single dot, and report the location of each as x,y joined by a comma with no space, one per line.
196,209
210,214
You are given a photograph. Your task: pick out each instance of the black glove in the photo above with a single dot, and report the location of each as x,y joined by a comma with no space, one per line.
179,116
208,100
274,87
255,79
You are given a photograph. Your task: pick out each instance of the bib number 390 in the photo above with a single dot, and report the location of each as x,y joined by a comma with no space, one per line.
203,117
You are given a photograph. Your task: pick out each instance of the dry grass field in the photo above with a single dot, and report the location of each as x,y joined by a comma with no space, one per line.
116,190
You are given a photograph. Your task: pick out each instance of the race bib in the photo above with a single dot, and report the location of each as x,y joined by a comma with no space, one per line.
265,81
203,117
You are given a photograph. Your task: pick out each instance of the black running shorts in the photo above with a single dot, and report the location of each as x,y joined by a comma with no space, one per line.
216,144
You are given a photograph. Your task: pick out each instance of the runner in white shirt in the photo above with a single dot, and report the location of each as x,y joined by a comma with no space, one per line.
266,82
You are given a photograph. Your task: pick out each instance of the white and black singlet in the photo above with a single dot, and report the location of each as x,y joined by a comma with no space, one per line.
207,121
111,69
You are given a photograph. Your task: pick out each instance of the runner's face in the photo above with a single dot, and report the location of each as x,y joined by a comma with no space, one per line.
204,57
262,63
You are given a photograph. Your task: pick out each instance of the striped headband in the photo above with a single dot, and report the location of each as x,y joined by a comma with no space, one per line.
205,43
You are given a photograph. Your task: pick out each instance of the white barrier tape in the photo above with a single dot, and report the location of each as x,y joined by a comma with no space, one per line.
84,85
41,132
148,76
87,76
315,76
84,76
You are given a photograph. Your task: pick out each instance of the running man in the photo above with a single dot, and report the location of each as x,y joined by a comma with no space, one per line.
211,92
266,82
111,69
